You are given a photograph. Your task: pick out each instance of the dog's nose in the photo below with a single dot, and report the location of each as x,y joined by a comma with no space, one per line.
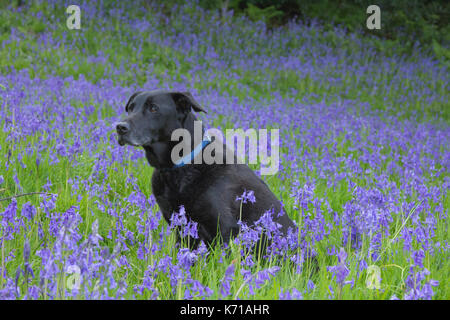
122,127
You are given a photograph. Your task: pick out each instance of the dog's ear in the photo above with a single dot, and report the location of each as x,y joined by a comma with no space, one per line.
131,99
185,101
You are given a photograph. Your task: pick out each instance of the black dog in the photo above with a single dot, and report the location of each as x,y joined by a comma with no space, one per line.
207,191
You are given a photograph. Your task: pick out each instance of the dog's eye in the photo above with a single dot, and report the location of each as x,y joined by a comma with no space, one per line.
152,107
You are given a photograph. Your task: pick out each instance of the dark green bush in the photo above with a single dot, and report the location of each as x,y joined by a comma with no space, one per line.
403,20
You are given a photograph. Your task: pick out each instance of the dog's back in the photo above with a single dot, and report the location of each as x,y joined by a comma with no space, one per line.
212,197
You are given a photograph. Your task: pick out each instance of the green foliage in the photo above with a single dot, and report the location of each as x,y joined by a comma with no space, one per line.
267,14
404,20
442,53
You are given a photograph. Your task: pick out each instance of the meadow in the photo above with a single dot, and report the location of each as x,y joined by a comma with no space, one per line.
364,149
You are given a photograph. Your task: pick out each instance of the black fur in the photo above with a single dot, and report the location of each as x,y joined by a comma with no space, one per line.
208,192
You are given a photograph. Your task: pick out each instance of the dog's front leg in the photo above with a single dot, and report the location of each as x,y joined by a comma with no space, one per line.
215,219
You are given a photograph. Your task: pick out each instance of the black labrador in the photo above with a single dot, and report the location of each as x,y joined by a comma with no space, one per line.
207,191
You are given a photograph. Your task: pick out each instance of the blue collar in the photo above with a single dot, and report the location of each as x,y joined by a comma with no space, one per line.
190,157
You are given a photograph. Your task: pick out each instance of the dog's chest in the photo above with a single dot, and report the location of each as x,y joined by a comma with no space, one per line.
171,193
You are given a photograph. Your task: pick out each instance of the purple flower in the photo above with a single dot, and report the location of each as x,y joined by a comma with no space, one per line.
195,288
248,237
418,257
9,221
94,237
186,258
191,230
26,251
178,219
294,294
247,196
340,271
310,285
266,222
16,180
256,281
33,293
417,287
148,283
9,290
228,277
28,211
41,234
188,228
48,185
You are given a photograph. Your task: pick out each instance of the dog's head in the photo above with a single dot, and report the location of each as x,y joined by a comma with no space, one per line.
154,115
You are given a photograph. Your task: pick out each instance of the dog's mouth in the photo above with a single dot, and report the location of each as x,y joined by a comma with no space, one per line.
122,140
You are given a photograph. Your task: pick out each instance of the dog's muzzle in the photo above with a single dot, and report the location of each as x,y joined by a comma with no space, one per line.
122,129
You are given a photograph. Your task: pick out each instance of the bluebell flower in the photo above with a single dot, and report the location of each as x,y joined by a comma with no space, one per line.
247,196
340,271
228,277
